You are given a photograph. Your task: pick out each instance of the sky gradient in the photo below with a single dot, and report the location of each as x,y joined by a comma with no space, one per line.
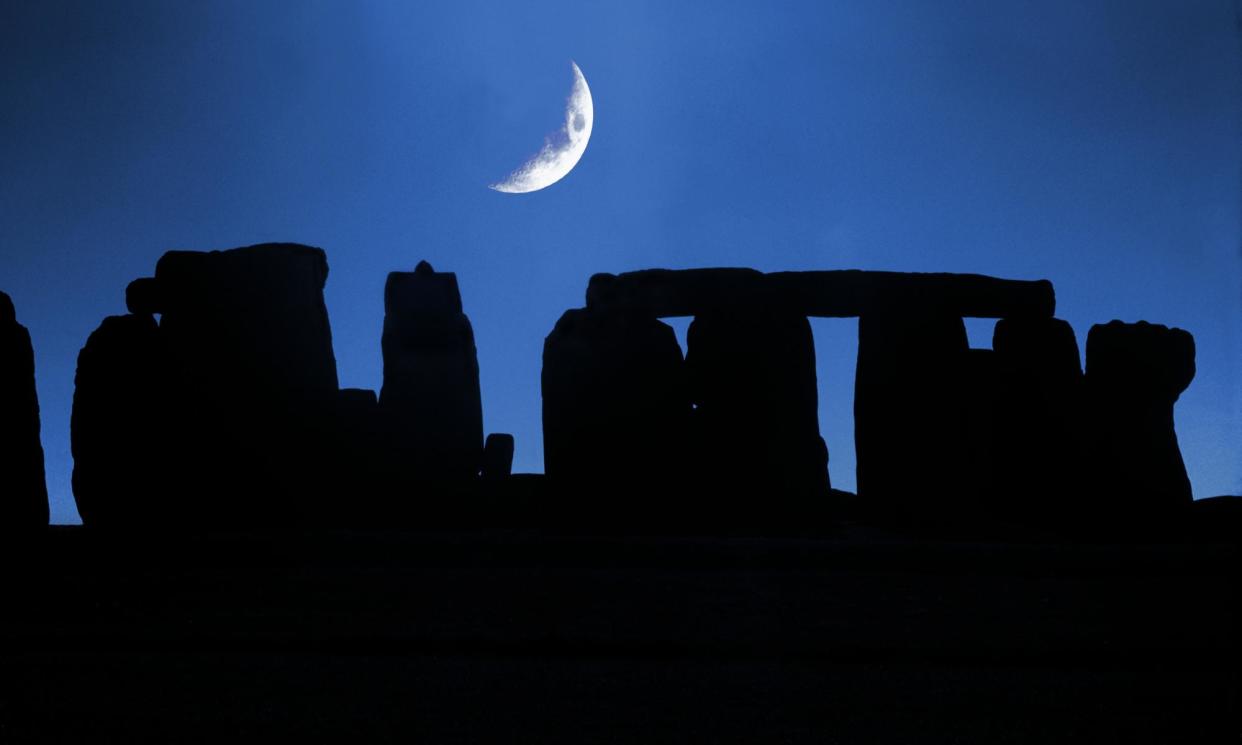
1096,144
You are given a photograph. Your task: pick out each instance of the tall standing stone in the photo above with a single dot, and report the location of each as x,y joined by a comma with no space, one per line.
430,402
23,489
1135,374
615,407
756,416
1038,443
122,437
908,425
254,374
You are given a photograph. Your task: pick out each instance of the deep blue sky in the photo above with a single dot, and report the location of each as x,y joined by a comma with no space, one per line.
1098,144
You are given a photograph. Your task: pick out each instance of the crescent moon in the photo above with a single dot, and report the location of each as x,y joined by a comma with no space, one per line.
562,149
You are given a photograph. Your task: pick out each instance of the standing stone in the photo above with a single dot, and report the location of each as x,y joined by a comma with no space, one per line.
615,407
430,401
120,431
908,429
254,376
1135,373
23,490
1039,423
756,417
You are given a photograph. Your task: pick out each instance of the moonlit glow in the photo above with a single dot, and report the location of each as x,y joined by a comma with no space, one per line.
562,149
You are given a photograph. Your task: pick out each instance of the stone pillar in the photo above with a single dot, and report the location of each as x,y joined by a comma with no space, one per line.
1039,435
23,490
250,348
430,401
1135,373
756,417
908,430
121,432
615,406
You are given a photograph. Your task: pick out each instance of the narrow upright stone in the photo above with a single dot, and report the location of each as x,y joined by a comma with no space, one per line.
23,490
908,424
430,401
1038,444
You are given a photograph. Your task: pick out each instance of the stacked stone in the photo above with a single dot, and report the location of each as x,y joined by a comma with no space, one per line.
925,404
217,416
430,403
729,431
23,489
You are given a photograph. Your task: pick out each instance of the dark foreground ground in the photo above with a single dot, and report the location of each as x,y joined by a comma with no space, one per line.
529,637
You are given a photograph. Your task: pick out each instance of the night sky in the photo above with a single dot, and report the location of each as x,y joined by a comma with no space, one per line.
1097,144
